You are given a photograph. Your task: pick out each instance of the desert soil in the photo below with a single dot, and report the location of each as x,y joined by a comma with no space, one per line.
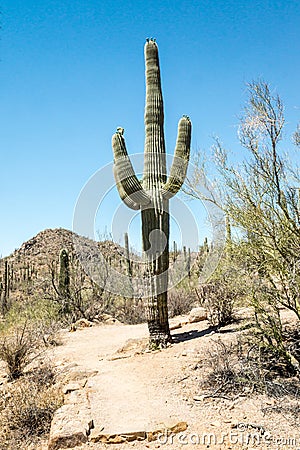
131,389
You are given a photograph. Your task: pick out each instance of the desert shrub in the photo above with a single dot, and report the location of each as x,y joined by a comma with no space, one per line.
282,343
245,367
233,370
260,196
132,310
42,315
218,298
228,287
180,301
18,347
27,329
29,407
129,310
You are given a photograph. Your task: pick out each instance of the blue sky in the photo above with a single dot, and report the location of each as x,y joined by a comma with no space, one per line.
72,71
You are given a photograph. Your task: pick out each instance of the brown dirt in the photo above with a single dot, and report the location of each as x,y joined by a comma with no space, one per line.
136,390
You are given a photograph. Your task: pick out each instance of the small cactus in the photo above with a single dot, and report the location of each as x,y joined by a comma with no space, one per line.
152,194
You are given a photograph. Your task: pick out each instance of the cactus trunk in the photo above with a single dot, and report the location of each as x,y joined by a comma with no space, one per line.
156,258
153,193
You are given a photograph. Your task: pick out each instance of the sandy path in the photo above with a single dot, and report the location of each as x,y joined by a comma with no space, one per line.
138,391
131,392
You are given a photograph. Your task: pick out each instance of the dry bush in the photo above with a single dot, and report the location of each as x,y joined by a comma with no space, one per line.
18,347
180,301
233,370
27,329
133,311
129,310
245,367
218,298
28,408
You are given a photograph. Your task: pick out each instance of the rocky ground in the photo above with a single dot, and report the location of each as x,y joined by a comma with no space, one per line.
117,392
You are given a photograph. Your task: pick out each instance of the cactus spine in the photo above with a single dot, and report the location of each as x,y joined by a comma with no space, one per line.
152,194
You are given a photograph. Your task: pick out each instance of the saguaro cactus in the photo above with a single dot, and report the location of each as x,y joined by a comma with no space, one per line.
6,287
127,256
152,194
64,280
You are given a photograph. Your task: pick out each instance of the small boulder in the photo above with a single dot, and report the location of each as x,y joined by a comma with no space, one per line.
83,323
197,314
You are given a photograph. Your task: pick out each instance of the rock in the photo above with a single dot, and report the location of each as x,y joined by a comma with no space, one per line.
167,428
175,326
69,428
72,423
75,376
97,435
176,427
83,323
134,344
197,314
71,387
107,319
113,321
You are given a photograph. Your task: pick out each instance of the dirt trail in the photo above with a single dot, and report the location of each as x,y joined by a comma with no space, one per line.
134,390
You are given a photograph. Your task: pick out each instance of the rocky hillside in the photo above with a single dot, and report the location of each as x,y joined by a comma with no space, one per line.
33,272
30,268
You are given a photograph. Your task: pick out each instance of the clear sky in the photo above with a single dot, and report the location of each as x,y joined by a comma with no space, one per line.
72,71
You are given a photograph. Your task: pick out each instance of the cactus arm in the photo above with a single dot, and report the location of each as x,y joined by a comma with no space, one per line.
181,159
124,173
124,197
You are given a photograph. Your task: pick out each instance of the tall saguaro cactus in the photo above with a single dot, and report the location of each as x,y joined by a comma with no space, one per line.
152,194
64,280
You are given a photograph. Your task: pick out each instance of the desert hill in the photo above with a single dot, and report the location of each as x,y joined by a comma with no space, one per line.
32,268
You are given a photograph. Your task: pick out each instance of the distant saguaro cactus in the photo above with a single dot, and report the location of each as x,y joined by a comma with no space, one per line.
127,256
6,287
64,280
152,194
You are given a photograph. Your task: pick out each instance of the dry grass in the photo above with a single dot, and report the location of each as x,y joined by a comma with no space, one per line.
18,347
26,408
240,367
